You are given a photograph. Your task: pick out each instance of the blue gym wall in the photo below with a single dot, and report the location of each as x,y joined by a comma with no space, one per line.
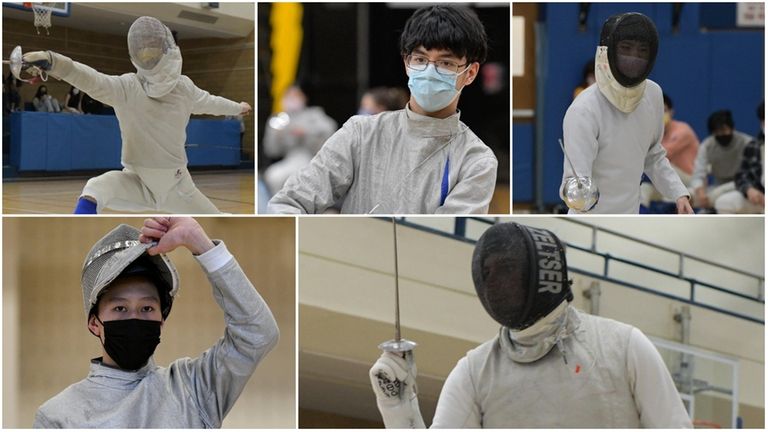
701,72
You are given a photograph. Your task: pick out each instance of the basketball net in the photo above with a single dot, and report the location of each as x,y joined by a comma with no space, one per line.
42,13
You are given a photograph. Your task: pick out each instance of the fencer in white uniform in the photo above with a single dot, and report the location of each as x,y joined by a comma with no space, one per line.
612,131
550,365
153,107
421,159
296,135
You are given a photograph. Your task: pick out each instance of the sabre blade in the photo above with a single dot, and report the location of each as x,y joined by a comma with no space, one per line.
398,344
397,284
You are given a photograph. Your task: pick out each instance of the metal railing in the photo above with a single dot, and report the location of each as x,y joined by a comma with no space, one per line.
459,233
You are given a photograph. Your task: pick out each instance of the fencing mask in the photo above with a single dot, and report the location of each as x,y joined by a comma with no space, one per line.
120,253
155,55
520,274
629,43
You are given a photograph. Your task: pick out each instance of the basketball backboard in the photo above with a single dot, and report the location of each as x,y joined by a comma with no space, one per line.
62,9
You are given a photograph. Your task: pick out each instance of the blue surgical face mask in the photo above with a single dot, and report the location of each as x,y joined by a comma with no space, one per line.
432,90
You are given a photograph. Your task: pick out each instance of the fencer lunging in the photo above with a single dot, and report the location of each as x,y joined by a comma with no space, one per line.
153,106
550,365
613,130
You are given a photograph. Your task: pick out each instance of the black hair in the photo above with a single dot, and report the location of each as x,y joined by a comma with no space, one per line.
718,119
391,98
143,267
39,89
448,27
667,101
761,111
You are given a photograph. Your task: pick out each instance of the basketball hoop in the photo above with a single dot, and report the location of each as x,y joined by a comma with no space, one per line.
42,13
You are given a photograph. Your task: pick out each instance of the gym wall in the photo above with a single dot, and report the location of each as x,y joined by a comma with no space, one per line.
223,67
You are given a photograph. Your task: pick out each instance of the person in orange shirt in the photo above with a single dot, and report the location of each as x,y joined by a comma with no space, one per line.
681,144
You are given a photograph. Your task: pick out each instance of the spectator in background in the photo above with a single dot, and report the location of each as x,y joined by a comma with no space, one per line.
11,95
44,102
380,99
587,78
681,144
719,155
91,105
241,122
295,135
749,196
73,103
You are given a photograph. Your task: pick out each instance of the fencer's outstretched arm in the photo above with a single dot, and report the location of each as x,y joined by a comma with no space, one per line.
108,89
393,379
206,103
656,397
324,181
473,193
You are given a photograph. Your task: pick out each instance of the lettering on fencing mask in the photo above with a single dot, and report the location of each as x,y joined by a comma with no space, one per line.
520,274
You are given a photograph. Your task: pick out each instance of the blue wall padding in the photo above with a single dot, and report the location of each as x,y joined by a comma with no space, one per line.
523,160
701,71
62,142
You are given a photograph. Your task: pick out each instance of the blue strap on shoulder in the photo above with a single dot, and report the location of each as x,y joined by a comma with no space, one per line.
444,184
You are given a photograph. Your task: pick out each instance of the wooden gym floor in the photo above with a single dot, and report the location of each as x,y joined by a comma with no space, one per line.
230,191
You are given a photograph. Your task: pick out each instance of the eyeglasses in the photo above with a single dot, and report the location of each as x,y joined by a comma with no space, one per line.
443,67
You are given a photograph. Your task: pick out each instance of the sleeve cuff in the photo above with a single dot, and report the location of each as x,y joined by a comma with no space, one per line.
61,65
215,258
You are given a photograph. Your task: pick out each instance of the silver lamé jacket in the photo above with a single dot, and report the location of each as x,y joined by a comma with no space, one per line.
396,162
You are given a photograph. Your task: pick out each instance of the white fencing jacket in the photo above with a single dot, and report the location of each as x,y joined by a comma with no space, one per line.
616,148
614,378
153,130
189,393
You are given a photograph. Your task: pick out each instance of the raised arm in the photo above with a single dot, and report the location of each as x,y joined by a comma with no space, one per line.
216,378
206,103
393,379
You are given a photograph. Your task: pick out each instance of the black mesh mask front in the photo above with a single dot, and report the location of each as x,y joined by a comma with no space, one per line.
520,274
633,43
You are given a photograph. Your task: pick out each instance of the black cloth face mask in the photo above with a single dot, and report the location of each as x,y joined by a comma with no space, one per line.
724,140
131,342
